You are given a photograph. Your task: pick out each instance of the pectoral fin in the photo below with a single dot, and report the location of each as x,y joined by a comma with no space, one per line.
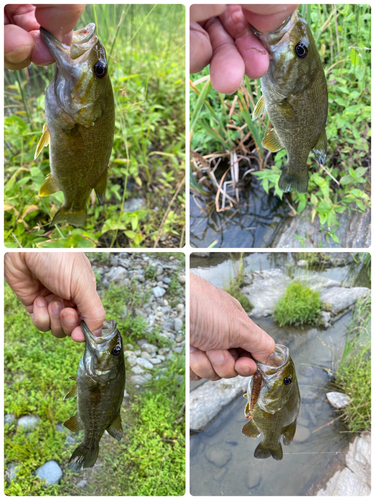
251,430
73,424
260,108
115,429
289,432
72,393
247,409
272,141
43,142
49,187
101,186
320,148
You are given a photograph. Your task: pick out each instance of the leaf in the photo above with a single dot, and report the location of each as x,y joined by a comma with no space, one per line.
354,57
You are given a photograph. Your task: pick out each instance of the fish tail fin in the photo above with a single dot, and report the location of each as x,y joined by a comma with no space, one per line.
83,457
73,217
292,179
264,451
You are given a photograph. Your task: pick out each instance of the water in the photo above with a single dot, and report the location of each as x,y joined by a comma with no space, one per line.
253,224
317,448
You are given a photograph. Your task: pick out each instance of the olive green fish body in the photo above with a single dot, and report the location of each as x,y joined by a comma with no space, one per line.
277,407
80,115
295,97
100,391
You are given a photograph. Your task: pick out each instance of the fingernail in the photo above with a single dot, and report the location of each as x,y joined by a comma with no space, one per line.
192,348
56,308
19,55
216,357
41,302
68,319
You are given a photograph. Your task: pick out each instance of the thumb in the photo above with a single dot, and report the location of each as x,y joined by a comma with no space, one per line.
252,338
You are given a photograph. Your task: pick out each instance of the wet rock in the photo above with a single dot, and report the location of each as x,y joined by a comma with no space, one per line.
308,394
341,298
317,283
11,471
116,274
219,473
209,399
28,422
144,363
10,419
338,399
50,472
302,434
134,204
202,255
218,455
325,319
177,324
82,484
253,479
158,291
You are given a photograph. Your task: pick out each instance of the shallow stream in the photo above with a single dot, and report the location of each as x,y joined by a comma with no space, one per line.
319,445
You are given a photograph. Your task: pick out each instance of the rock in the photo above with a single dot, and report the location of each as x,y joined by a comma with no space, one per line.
10,419
132,361
82,484
302,433
150,348
155,361
253,478
316,282
28,422
207,401
140,312
158,291
178,350
140,379
358,458
61,428
116,274
218,474
345,483
129,354
126,394
202,255
166,281
158,270
145,363
181,279
308,394
325,318
50,472
338,399
218,455
302,263
266,288
137,369
341,298
134,204
145,355
11,471
177,324
141,342
70,440
179,338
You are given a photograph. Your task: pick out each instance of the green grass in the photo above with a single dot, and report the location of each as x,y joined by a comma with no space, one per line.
299,306
235,284
149,460
220,125
145,47
353,376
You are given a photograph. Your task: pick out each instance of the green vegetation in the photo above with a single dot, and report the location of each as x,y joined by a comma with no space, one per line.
149,460
235,284
353,375
299,306
221,125
146,55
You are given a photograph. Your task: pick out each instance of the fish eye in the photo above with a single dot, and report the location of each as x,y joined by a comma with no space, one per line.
116,350
287,380
301,50
100,69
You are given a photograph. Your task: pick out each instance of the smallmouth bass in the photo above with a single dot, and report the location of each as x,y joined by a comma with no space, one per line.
295,96
99,391
273,404
80,123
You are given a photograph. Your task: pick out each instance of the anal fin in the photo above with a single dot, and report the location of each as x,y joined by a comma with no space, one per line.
320,148
73,423
101,186
43,142
115,429
49,187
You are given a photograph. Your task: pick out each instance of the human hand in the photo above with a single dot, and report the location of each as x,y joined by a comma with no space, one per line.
222,337
22,42
58,290
220,35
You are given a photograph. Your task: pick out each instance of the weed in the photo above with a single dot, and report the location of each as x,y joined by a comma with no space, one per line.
299,306
150,272
235,284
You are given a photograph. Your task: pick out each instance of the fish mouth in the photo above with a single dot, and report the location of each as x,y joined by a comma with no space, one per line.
275,363
271,38
108,332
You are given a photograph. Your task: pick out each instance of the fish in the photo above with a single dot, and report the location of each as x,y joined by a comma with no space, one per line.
99,389
80,123
273,409
295,96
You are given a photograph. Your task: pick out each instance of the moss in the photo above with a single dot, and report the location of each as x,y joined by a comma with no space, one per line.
300,305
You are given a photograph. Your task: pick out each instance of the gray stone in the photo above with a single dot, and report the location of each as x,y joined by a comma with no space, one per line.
177,324
28,422
218,474
155,361
150,348
144,363
181,279
316,282
345,483
10,419
202,255
138,370
302,433
338,399
159,270
116,274
178,350
302,263
142,342
82,484
11,471
158,291
218,455
70,440
61,428
253,478
50,472
129,354
341,298
140,379
139,312
145,355
358,458
134,205
166,281
126,394
132,361
308,394
207,401
325,319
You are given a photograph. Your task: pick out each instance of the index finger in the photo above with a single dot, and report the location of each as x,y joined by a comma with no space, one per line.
204,12
267,17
